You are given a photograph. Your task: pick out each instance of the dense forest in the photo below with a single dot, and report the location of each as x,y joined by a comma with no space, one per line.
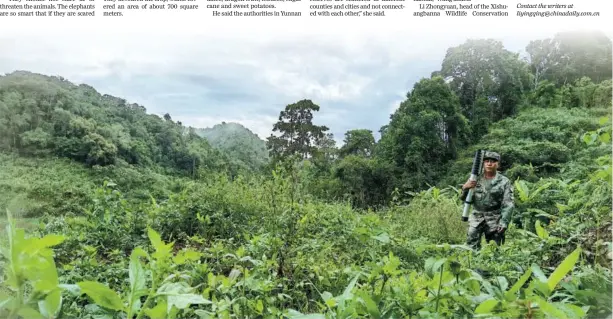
238,142
113,212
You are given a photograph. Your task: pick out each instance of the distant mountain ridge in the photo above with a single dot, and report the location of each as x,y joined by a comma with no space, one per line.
237,141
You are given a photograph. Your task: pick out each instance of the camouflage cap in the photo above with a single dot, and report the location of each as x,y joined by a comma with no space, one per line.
491,155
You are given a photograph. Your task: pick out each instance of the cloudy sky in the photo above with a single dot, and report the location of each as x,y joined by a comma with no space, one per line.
357,75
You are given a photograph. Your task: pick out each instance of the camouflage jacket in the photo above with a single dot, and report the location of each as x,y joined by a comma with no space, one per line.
492,195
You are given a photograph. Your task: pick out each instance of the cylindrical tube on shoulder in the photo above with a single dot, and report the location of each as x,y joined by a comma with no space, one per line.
477,162
476,168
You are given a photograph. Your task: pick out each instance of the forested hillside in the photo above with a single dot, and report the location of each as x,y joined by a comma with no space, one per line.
116,213
239,143
52,127
50,116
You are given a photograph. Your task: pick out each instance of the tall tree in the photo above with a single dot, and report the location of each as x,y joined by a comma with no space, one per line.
541,55
326,147
358,142
418,151
299,135
325,155
483,72
569,56
583,54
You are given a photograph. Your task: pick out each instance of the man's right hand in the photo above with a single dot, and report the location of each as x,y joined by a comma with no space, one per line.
469,184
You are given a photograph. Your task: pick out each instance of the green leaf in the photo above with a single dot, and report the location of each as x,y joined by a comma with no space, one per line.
538,273
349,288
572,311
486,307
503,283
29,313
101,294
182,301
259,306
192,255
154,237
562,207
137,278
180,295
522,190
436,192
51,240
539,190
5,299
473,286
549,309
566,266
40,246
540,231
510,295
605,137
370,305
587,138
75,290
603,120
157,312
162,250
51,304
383,237
433,265
541,286
328,299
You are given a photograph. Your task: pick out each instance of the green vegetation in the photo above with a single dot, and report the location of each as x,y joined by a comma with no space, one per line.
239,142
116,213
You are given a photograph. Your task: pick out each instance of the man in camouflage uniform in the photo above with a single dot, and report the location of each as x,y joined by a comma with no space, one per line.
492,203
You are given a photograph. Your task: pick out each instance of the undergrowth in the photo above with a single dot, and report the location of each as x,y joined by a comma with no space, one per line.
265,248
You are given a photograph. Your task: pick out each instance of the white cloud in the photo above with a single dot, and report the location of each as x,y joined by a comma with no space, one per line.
344,86
358,74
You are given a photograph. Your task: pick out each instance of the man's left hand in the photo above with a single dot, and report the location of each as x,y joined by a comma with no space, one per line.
501,229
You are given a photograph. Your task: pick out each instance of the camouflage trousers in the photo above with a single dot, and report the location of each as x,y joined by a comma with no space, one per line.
483,223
